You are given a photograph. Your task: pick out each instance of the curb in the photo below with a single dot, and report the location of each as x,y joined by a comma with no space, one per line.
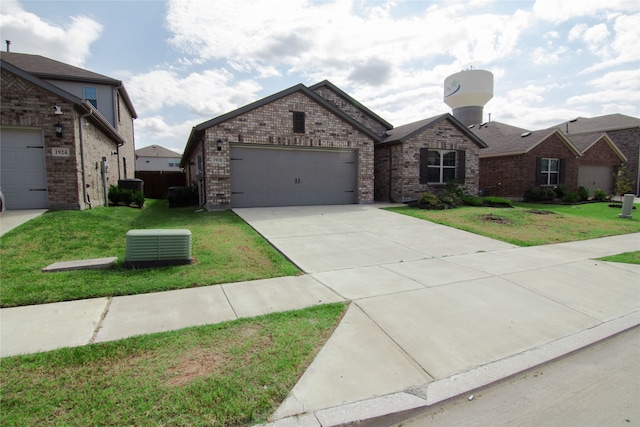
396,407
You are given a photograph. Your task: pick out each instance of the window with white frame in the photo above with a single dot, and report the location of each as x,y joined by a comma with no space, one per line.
441,166
550,171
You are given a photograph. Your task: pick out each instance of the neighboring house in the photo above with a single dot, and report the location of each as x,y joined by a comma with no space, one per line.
156,158
67,134
517,160
300,146
159,169
423,156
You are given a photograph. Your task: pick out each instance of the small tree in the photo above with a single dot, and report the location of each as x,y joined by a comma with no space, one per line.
623,181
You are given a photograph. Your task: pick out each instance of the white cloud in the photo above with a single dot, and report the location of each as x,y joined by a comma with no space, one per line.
30,34
561,11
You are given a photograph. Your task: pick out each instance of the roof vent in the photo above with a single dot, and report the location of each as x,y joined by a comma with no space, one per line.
525,134
470,126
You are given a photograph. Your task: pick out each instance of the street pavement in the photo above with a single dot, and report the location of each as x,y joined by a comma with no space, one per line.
434,311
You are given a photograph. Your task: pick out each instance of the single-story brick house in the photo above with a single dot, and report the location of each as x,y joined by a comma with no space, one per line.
67,133
423,156
517,160
301,146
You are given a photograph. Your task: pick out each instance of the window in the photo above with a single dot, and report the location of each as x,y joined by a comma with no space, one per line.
440,166
550,171
298,122
91,95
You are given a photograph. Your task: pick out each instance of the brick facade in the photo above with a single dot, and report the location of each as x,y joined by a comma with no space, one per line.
628,141
26,105
397,170
269,125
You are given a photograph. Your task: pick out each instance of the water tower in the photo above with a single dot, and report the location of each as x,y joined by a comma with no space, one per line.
467,92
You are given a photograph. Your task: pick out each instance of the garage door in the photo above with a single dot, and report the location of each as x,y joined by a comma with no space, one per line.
23,172
593,177
292,176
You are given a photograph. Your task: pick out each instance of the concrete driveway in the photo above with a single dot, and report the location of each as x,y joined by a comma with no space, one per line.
437,311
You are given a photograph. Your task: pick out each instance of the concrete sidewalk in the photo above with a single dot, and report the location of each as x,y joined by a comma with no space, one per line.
434,311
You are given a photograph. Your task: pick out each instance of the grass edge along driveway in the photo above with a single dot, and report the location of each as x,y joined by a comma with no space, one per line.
225,250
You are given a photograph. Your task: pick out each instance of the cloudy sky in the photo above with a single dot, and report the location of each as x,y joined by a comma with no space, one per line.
186,61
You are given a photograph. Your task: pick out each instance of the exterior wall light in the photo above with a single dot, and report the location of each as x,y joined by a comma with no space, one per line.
58,128
219,144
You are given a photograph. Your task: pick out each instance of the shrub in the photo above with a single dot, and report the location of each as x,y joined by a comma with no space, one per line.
138,198
548,194
561,190
497,202
124,196
570,197
183,196
623,183
472,200
114,194
599,195
429,200
583,193
533,194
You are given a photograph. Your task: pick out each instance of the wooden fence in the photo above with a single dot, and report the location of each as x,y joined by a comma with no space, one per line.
156,184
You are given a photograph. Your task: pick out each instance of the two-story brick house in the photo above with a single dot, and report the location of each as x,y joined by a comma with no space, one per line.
67,134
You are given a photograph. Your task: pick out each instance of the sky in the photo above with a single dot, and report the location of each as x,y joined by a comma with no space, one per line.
184,62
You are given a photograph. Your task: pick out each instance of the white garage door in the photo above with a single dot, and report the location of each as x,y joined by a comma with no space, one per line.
594,177
283,176
23,172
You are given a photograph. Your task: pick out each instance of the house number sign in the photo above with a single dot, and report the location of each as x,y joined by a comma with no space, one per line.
61,151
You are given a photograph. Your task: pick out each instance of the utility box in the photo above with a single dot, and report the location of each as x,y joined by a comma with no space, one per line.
627,206
134,184
157,248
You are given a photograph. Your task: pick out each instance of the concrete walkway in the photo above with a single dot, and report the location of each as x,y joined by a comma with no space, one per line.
434,311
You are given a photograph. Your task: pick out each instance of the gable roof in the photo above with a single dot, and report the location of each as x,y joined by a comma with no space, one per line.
46,68
352,101
403,133
81,105
506,140
585,141
601,123
156,151
199,129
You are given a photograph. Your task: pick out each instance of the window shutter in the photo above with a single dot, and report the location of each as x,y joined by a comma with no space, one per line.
424,165
562,164
461,167
539,175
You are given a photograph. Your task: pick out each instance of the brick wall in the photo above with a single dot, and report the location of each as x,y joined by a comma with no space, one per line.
628,141
404,169
272,124
600,154
27,105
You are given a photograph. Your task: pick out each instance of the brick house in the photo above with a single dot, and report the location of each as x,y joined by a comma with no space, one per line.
423,156
67,134
517,160
301,146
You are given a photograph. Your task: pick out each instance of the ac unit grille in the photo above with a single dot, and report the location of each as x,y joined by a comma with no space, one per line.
158,245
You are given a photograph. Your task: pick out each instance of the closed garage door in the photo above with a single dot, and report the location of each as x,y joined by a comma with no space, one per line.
23,175
596,177
285,176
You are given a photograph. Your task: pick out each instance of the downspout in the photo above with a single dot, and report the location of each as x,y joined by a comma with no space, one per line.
85,195
204,182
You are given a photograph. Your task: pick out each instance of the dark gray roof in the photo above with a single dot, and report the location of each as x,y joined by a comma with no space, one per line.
352,101
601,123
405,132
46,68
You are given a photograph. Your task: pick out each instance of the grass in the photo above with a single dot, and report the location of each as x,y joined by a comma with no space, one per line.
224,247
627,257
533,224
231,373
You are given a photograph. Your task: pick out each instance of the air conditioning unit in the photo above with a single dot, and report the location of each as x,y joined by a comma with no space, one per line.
157,247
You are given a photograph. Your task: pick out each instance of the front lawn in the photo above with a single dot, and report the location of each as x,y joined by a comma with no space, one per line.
228,374
225,249
534,224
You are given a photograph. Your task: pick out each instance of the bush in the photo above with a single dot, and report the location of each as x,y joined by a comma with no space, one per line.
548,194
533,194
124,196
472,200
583,193
497,202
183,196
623,184
570,197
599,195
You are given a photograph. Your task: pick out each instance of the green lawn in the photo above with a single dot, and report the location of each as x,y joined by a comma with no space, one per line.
224,247
534,224
228,374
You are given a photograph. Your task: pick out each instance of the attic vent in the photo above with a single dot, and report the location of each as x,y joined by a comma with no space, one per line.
525,134
573,121
151,248
470,126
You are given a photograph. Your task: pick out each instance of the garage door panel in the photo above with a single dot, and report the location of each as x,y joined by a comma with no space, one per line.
23,169
596,177
285,177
